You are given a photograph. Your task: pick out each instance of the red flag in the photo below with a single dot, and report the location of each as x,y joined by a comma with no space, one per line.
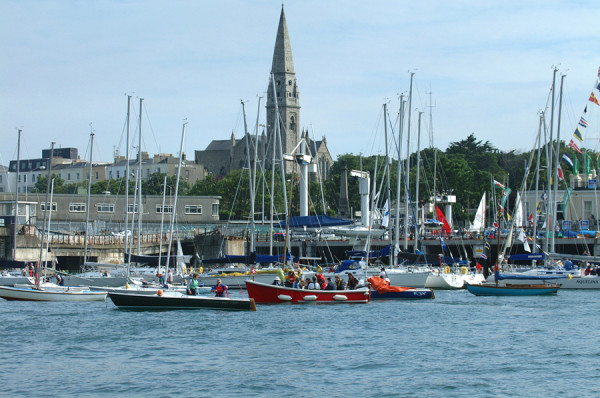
530,216
594,99
440,216
573,145
561,175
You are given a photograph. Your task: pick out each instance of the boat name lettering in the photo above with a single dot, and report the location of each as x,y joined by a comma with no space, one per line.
587,281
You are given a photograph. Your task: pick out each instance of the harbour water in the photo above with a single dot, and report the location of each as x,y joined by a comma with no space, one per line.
456,345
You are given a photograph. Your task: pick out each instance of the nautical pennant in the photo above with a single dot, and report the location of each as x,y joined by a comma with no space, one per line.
498,184
565,158
577,134
561,175
583,123
594,99
574,146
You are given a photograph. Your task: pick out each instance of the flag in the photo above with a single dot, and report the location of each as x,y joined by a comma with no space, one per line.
561,176
444,247
499,185
577,134
566,198
440,217
583,123
530,218
539,207
588,163
386,214
594,99
565,158
576,165
505,195
574,146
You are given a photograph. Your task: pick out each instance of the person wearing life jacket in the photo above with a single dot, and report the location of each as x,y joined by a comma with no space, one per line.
192,288
352,281
321,280
291,279
220,289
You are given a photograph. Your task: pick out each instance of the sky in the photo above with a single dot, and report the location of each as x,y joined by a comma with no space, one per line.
67,66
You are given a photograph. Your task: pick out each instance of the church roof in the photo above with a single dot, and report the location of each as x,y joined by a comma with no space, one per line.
219,145
282,55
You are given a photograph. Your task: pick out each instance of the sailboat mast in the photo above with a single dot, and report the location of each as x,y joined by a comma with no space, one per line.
48,229
126,237
250,180
162,220
417,224
48,174
87,206
434,155
549,220
175,199
398,180
387,181
537,183
547,204
556,158
17,180
407,168
139,206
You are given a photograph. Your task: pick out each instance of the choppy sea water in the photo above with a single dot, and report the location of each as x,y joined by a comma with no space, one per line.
456,345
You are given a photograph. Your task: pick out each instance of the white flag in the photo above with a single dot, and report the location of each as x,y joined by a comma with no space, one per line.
386,214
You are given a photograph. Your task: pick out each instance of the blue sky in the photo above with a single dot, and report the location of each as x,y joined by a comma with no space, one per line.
66,64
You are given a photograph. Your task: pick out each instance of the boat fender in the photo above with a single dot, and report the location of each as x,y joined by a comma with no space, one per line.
280,274
340,297
570,276
310,297
464,270
284,297
159,293
446,269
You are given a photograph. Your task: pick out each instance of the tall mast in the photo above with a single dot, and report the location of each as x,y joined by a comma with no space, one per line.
417,224
556,158
273,142
250,180
126,237
398,180
17,180
387,181
139,206
549,147
87,206
407,168
434,155
537,183
162,219
48,174
175,199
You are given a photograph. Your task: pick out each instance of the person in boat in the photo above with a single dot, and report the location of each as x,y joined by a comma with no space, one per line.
330,285
321,281
170,277
60,281
587,271
276,281
220,289
339,283
192,288
161,279
290,279
352,281
314,285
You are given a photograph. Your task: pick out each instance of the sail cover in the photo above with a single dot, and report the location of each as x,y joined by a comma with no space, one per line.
320,221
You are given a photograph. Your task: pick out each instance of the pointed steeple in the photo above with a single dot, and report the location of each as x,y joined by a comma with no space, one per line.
286,90
283,62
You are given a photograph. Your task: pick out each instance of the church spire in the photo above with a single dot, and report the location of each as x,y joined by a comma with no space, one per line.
283,62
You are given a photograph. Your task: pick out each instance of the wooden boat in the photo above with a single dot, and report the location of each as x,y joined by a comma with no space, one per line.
178,301
40,294
382,290
264,293
512,289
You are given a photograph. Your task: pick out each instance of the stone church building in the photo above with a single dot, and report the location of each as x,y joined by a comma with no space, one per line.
223,156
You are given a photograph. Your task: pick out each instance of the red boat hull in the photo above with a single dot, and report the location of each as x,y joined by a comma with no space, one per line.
270,294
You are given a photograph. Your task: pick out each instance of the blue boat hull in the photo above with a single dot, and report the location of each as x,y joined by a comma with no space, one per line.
511,290
413,294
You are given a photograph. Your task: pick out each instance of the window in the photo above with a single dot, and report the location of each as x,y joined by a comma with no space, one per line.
105,207
587,209
24,177
133,208
0,179
77,207
187,174
147,172
96,175
193,209
68,176
52,206
118,174
215,209
109,173
168,209
77,176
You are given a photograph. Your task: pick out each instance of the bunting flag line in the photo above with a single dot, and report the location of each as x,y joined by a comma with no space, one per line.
594,99
565,158
583,123
573,145
577,134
